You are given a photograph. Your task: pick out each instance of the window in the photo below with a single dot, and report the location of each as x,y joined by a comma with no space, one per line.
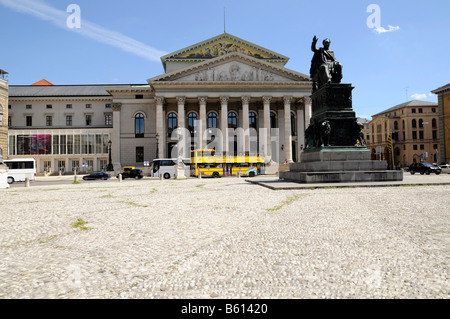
29,107
420,135
420,110
192,122
172,123
139,154
89,106
49,106
9,121
212,120
435,146
420,123
414,135
415,147
433,110
68,106
68,120
252,120
49,121
434,132
433,123
413,110
108,119
273,120
139,125
395,125
9,107
108,106
139,97
232,120
293,126
414,123
29,120
88,120
422,147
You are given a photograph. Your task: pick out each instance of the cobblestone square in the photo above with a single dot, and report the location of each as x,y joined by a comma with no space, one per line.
223,238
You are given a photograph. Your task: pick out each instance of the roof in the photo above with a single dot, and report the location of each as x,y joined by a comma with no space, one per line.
412,103
42,82
442,89
63,90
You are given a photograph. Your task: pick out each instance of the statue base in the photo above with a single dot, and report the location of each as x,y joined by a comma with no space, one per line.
339,165
180,171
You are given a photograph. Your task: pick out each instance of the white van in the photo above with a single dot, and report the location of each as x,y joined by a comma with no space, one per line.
20,169
166,167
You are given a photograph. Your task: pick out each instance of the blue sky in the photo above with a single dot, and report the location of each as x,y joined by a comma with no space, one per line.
121,41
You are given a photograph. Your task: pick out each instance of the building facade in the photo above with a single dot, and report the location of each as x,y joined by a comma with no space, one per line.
414,131
213,93
4,114
444,122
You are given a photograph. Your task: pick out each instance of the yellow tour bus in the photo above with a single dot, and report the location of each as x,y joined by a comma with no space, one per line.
210,164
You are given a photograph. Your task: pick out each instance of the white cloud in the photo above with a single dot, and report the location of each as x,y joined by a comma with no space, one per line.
380,30
88,29
418,96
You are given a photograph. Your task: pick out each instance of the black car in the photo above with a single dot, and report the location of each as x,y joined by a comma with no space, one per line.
133,173
424,168
99,175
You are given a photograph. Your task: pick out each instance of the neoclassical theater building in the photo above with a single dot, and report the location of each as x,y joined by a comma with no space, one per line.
223,83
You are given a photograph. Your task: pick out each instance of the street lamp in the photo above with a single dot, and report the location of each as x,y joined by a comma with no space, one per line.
110,166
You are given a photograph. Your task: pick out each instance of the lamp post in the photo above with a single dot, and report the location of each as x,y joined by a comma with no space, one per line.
110,166
157,145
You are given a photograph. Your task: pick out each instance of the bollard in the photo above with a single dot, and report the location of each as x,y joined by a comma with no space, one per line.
27,182
200,175
161,177
75,178
120,178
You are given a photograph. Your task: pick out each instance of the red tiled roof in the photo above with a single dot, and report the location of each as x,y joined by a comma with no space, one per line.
42,82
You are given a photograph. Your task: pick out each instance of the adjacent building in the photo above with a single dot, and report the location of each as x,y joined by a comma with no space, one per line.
444,122
415,134
3,114
223,83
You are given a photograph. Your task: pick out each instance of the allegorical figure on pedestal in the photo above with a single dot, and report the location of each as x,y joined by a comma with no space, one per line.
324,67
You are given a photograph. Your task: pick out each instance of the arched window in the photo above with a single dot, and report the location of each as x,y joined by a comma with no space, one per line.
232,120
273,120
212,120
139,125
172,123
414,123
420,123
252,120
192,122
293,126
434,123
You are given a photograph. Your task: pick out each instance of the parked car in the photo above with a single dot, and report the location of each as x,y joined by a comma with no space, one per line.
134,173
99,175
424,168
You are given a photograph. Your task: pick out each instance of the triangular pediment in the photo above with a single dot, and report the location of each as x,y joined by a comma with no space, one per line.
219,46
233,67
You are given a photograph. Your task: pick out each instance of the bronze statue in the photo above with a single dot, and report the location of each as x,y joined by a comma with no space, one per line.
324,67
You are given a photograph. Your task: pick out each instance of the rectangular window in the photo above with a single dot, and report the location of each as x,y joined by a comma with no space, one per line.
422,147
420,135
12,145
88,120
414,135
70,144
49,106
435,146
415,147
49,120
420,110
98,144
139,97
29,107
91,144
62,144
68,106
29,121
434,135
108,106
89,106
69,120
105,144
139,154
84,148
433,110
55,144
9,107
108,119
77,144
413,110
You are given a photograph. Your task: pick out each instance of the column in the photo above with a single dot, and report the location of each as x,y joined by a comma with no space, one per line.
224,122
245,122
267,144
287,129
301,129
201,124
160,127
181,113
308,110
115,138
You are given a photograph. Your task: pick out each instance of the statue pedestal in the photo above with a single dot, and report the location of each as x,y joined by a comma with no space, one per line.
3,176
180,171
338,164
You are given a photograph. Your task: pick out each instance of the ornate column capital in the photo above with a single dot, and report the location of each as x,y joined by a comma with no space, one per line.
246,99
224,99
116,107
181,99
305,100
267,99
287,99
159,99
203,99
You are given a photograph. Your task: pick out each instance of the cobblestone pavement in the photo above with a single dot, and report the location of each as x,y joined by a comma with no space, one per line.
223,238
